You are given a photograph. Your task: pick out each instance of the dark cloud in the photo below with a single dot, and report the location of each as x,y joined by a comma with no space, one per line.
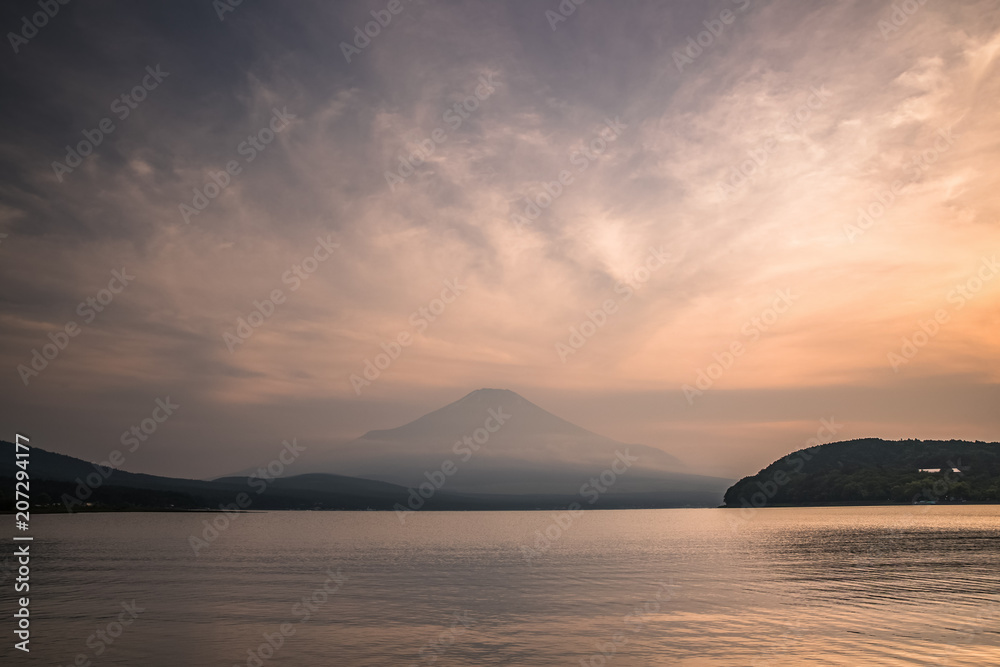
684,132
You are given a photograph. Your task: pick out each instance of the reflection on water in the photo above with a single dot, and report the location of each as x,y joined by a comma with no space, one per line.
834,586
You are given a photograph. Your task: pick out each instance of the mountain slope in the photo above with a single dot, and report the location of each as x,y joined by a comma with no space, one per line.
55,487
62,477
529,450
875,471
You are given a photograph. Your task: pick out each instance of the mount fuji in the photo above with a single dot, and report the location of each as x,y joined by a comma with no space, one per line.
494,441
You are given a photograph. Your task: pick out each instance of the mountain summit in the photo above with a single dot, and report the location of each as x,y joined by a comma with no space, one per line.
500,442
527,421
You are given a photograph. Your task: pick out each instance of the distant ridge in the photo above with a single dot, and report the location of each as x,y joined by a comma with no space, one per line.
76,484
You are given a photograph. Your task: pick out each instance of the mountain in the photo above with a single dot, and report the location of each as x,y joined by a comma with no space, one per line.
66,481
501,443
874,471
58,483
491,449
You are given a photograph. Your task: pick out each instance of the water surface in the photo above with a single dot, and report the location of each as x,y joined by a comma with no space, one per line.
830,586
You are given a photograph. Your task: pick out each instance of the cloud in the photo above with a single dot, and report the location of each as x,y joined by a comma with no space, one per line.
659,183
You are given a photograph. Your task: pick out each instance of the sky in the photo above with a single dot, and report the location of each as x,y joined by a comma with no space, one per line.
700,226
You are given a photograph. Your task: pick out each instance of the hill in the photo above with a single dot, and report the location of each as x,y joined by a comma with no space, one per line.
874,471
64,482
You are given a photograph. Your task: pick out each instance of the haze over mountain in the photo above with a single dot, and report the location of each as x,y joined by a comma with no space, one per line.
500,442
74,484
65,483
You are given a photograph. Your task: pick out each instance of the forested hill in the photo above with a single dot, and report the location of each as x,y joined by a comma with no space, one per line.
875,471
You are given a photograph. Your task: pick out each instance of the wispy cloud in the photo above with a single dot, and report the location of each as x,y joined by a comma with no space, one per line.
659,184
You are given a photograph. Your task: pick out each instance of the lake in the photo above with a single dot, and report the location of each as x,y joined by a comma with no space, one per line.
821,586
